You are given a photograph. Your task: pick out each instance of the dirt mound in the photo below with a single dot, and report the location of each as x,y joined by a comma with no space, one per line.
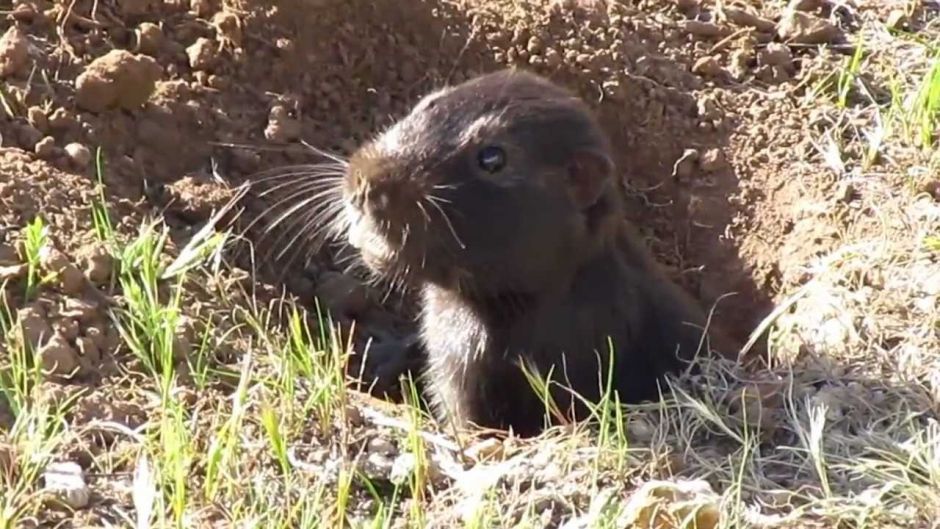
785,154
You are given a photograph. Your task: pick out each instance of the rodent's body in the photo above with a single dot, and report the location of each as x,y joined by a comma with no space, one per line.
496,198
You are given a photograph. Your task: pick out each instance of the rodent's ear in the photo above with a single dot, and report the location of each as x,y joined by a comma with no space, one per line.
589,173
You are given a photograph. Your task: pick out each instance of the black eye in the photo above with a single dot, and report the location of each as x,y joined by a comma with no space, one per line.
491,158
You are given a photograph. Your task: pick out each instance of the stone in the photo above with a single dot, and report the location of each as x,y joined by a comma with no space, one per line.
65,481
14,51
117,79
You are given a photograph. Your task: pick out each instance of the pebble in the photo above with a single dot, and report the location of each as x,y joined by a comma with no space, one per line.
149,38
65,482
79,155
776,54
58,357
281,126
14,51
201,54
229,26
381,445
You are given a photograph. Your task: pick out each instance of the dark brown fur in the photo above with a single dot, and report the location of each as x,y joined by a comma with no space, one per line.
532,262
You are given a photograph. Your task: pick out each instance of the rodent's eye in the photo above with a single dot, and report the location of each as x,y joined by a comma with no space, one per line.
491,158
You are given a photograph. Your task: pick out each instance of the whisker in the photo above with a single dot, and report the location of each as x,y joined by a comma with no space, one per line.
449,225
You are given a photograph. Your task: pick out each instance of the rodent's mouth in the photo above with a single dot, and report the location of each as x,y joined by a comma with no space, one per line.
374,248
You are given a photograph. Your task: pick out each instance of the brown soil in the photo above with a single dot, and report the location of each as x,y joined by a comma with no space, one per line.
707,112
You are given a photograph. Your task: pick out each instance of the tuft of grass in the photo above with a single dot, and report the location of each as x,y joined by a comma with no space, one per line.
101,218
35,238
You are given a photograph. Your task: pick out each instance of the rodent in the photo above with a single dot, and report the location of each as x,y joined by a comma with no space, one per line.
497,199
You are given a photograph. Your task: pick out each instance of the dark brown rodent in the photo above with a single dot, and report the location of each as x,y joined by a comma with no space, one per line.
497,199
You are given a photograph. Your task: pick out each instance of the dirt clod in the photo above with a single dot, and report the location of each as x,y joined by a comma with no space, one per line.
149,38
202,54
14,52
58,357
32,322
37,118
117,79
797,27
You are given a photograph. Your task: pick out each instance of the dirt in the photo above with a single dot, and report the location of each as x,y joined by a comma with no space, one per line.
705,105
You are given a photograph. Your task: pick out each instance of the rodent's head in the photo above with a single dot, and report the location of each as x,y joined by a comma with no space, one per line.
501,183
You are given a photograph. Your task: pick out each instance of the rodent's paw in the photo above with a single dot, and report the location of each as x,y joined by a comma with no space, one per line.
383,364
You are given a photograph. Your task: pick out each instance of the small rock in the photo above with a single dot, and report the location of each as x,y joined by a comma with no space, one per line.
343,294
282,127
36,330
117,79
58,357
79,155
202,54
37,118
776,54
897,19
708,66
797,27
713,160
149,38
684,167
14,51
381,445
46,148
229,26
65,481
